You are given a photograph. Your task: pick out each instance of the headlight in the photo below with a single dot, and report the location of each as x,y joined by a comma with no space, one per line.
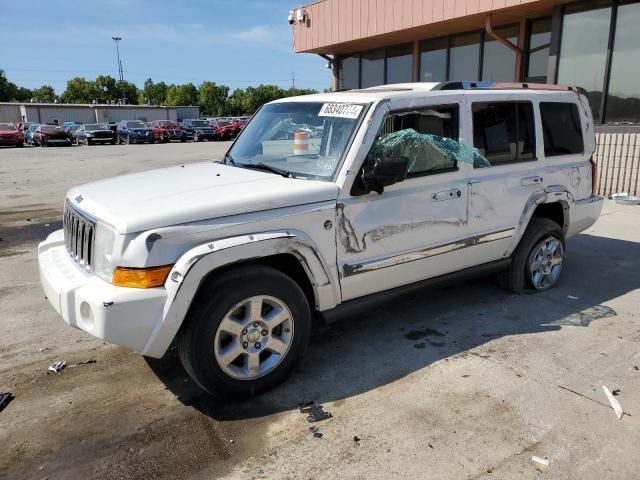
103,251
89,134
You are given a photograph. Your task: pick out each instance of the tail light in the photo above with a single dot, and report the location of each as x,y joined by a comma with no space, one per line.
594,176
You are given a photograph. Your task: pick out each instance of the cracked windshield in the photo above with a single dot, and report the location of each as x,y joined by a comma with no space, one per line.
301,140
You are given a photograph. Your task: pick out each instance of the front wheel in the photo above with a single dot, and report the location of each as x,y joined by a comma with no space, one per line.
196,138
537,261
245,332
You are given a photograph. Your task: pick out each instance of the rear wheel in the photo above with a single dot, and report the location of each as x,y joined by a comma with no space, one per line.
128,140
537,261
246,332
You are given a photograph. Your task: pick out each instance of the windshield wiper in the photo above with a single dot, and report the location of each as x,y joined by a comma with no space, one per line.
229,158
269,168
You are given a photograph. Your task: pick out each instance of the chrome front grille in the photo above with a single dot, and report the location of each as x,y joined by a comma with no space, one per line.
79,233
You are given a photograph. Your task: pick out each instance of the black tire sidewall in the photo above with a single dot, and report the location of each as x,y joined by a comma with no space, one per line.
197,340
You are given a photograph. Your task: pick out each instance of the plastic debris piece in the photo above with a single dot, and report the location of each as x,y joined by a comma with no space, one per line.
316,432
314,412
615,404
56,367
540,460
5,399
44,349
356,438
87,362
615,392
572,297
438,151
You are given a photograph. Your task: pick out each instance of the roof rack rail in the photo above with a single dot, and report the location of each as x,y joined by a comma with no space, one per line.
502,86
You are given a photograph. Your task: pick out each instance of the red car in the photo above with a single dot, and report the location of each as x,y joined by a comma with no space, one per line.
166,130
10,134
225,130
47,135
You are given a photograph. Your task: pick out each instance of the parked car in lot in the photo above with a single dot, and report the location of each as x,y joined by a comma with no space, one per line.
72,129
10,134
50,135
198,130
95,133
224,129
166,131
28,132
134,131
406,187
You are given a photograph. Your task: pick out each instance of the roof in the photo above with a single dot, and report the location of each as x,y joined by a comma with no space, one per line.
377,93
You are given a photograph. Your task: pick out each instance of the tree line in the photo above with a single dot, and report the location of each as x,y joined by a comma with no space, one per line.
213,99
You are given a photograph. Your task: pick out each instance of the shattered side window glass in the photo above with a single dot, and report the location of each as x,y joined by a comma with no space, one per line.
428,138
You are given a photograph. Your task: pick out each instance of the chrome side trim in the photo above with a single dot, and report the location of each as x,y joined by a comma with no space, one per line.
349,270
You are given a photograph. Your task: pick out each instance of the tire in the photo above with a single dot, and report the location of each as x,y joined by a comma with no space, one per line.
128,140
113,142
196,138
19,145
183,139
43,142
88,142
519,277
202,335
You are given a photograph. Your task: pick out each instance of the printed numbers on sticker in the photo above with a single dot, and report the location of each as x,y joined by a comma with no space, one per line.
340,110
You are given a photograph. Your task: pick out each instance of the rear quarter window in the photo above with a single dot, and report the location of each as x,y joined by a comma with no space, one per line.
561,129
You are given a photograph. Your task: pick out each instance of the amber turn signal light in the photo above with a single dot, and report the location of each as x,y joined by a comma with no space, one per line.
141,277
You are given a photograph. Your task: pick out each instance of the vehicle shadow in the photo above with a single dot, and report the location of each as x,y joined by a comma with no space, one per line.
365,351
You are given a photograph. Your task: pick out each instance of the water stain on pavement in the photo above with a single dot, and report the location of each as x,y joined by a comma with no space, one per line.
424,333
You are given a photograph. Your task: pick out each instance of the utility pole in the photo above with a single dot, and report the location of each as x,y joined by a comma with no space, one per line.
121,76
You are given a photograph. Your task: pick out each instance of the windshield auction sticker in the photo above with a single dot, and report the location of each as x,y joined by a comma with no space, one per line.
341,110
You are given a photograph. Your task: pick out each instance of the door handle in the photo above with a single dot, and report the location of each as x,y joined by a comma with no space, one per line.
530,181
446,195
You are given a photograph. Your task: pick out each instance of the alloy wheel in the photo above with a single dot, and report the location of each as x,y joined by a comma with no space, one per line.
253,337
545,263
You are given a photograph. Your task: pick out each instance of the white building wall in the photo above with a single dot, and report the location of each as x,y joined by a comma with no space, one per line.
147,114
10,113
183,113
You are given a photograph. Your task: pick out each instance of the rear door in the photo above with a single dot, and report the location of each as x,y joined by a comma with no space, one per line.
504,130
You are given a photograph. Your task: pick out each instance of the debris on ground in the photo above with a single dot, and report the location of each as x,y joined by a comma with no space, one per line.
316,432
356,439
44,349
56,367
5,399
542,461
572,297
314,411
615,404
615,392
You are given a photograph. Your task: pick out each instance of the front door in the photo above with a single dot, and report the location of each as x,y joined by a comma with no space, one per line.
413,230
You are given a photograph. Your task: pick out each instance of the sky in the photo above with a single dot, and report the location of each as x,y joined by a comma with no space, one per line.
236,43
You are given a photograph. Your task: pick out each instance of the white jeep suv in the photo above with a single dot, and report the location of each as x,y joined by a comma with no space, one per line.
323,202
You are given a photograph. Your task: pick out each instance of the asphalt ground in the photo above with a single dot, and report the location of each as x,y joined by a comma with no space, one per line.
459,382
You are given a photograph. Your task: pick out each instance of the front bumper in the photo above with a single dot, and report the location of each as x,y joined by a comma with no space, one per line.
123,316
584,214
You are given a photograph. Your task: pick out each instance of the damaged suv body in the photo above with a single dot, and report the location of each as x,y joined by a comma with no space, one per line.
397,186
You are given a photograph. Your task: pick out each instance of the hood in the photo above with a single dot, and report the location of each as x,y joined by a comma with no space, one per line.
175,195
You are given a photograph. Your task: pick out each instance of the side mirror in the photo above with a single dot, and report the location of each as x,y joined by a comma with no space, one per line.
380,173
